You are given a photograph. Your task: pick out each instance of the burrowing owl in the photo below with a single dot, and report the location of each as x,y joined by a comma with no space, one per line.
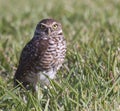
42,56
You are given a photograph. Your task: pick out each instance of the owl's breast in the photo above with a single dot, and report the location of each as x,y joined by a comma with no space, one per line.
54,55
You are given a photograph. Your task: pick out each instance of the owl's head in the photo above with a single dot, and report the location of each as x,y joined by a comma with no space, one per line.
48,27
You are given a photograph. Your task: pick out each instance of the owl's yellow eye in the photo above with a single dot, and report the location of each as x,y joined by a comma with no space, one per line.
55,26
42,26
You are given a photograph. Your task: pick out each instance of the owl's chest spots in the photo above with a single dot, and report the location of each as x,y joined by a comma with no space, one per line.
56,46
53,55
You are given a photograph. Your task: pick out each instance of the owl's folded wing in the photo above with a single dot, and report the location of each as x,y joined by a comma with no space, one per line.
32,52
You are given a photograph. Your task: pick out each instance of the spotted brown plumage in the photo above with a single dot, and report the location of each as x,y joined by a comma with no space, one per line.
42,56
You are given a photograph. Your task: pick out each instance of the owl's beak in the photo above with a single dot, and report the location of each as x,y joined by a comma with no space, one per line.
48,31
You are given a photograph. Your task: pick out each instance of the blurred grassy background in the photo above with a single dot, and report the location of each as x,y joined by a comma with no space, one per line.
92,68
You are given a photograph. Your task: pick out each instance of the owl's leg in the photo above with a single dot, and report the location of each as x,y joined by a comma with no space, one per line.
34,87
37,92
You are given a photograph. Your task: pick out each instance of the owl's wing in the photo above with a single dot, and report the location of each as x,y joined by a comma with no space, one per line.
30,55
32,51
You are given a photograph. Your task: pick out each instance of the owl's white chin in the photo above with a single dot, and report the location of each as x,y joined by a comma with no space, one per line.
60,31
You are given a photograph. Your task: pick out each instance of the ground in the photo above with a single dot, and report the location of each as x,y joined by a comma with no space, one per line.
90,77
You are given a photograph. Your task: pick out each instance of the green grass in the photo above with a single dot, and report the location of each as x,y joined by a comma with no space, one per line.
90,77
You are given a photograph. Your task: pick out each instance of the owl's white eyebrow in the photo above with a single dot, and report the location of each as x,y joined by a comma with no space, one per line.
54,23
44,24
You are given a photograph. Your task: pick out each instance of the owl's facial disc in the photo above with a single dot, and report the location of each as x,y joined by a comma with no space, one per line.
48,27
45,28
